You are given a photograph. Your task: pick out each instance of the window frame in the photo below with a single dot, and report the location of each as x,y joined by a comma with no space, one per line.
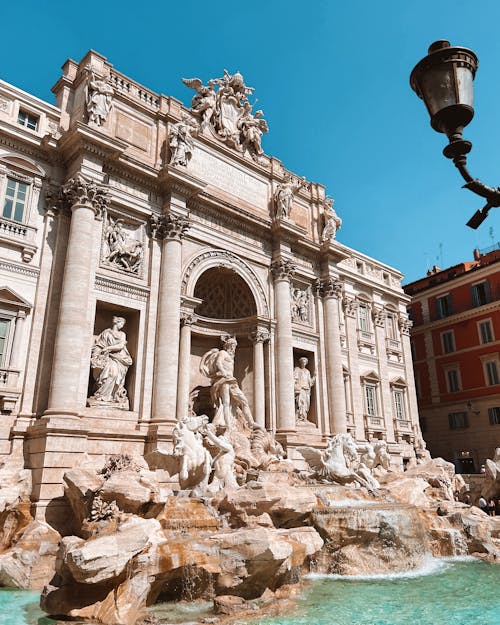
454,423
444,311
494,417
448,371
451,334
483,322
365,317
475,298
29,115
487,377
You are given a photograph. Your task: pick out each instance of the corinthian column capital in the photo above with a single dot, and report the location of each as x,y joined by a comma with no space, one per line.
282,269
330,287
79,191
168,226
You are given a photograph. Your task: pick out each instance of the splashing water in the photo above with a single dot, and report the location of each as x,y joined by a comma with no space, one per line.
456,592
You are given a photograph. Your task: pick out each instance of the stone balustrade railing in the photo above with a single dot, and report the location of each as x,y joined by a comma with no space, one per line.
124,85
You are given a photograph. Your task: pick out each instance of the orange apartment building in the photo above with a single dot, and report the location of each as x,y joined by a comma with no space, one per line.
455,342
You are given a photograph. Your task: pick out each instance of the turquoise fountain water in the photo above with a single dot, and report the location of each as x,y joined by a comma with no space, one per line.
21,607
456,593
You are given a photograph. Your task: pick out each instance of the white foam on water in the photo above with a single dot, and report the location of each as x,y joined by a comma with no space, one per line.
431,566
349,503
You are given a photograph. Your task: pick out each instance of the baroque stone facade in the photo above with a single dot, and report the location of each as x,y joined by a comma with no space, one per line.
135,232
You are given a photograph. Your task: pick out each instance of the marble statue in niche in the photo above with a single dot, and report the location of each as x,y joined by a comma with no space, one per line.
300,306
180,141
98,98
228,398
228,112
119,248
284,194
110,361
303,383
331,223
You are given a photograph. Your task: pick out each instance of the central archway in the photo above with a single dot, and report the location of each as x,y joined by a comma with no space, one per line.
225,295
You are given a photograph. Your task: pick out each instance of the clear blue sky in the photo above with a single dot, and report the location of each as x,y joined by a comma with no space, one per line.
332,79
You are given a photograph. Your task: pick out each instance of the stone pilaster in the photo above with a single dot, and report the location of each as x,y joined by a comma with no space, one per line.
405,325
15,354
258,338
350,306
282,271
187,320
171,229
86,200
331,290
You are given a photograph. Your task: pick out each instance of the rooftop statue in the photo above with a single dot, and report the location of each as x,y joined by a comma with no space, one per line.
180,139
98,98
284,194
228,112
332,221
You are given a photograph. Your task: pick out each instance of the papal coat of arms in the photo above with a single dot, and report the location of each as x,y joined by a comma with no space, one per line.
228,112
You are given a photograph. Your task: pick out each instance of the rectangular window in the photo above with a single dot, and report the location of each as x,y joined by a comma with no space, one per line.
371,400
453,380
391,325
492,376
364,319
443,306
28,120
480,293
4,334
494,415
15,199
458,420
448,342
485,331
399,404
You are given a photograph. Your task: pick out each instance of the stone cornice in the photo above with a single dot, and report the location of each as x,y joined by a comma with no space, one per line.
457,318
86,138
32,272
119,287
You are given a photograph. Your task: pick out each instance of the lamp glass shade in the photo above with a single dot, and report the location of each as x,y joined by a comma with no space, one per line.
444,81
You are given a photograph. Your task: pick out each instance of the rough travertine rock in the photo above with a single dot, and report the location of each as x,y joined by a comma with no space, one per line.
80,487
287,507
30,562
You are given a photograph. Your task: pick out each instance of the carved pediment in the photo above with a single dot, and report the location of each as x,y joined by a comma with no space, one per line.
11,299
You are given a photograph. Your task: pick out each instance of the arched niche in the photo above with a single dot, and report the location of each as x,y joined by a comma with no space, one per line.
224,295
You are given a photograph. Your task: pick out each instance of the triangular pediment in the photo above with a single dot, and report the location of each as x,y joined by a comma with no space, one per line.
398,382
371,375
10,298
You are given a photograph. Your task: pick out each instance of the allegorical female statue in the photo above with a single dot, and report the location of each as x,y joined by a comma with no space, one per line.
110,361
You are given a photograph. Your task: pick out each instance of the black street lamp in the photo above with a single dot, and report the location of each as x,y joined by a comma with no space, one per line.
444,81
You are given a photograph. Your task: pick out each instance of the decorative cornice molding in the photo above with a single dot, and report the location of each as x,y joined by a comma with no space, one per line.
108,285
32,272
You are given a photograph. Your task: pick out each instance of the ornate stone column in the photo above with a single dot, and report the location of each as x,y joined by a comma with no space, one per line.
85,199
259,337
331,290
282,271
187,320
171,229
15,354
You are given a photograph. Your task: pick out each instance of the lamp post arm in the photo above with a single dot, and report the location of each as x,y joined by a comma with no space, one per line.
492,195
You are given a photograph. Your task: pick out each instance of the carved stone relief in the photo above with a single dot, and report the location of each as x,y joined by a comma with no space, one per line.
228,112
300,304
120,248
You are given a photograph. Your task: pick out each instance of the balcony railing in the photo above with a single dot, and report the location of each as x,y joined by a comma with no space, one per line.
20,235
374,423
403,425
8,379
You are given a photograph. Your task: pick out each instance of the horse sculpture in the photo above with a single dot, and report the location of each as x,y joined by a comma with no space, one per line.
334,464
